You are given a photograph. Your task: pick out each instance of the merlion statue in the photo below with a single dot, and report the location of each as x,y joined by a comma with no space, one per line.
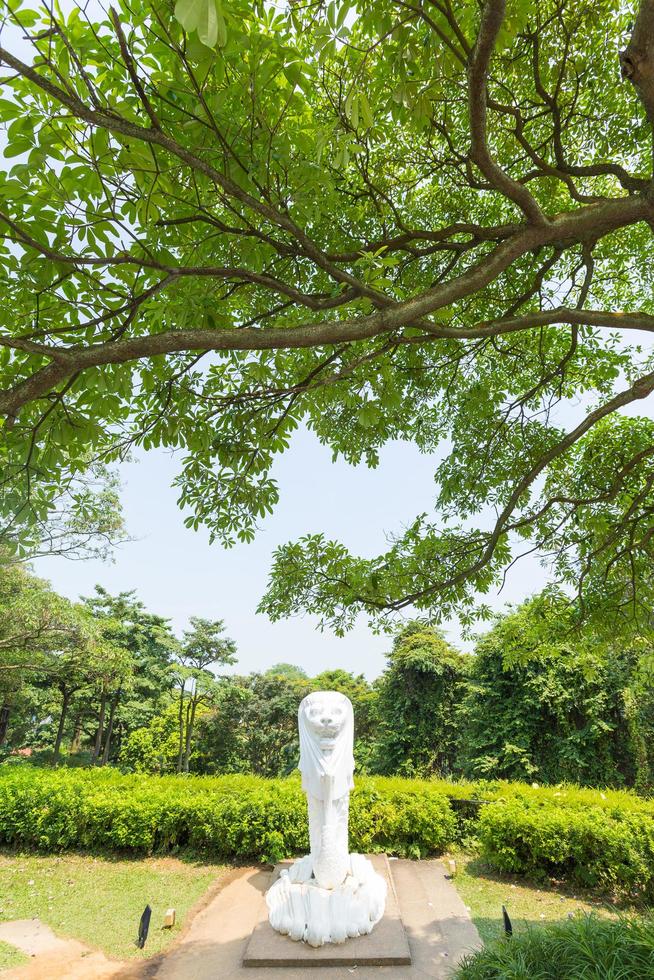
330,894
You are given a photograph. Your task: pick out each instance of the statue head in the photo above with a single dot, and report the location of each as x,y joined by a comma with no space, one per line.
326,725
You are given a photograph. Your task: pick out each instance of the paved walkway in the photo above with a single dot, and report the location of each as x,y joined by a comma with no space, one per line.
52,957
436,921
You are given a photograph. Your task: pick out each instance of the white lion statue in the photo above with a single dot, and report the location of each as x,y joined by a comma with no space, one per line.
329,894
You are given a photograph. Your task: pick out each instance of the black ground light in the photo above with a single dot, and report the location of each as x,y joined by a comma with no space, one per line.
144,926
508,928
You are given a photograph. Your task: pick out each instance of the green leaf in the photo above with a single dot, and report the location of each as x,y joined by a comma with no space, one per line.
189,13
204,16
9,110
17,147
366,111
368,415
222,26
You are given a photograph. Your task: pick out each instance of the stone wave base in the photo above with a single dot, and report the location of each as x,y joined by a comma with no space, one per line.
300,909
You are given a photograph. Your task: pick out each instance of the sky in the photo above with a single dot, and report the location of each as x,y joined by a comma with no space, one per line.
178,574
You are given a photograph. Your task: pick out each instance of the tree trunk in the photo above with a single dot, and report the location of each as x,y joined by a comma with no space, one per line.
98,736
180,752
190,724
5,711
65,702
76,741
637,60
110,727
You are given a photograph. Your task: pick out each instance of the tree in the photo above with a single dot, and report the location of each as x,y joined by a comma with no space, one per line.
33,620
153,748
291,671
148,646
46,643
253,727
547,702
78,663
82,519
419,698
203,648
385,221
36,625
222,735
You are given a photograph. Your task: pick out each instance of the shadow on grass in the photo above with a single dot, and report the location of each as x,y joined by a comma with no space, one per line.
529,903
477,867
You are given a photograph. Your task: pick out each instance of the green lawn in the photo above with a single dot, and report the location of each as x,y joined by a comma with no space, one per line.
100,900
10,956
485,891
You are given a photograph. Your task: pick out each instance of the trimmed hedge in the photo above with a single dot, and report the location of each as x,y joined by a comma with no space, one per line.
601,839
588,947
232,817
597,847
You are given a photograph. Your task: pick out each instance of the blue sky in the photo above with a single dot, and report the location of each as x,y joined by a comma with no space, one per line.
178,574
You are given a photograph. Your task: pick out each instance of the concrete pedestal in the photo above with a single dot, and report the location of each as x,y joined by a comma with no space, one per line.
386,945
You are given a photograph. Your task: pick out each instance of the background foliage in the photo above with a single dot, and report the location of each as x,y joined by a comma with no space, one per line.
106,681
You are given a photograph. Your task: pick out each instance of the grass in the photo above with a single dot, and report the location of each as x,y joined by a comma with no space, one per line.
485,891
10,956
585,947
99,901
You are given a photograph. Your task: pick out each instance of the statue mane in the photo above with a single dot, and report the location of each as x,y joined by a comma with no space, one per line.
315,762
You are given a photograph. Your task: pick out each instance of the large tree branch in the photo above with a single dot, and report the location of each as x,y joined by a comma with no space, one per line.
316,301
578,226
637,60
114,123
489,28
72,360
641,388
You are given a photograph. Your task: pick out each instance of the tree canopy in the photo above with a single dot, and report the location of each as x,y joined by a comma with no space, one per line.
391,220
549,702
419,704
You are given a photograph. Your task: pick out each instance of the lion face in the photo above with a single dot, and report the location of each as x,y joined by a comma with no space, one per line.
325,714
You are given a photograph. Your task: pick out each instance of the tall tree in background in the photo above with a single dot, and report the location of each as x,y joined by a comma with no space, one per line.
252,726
203,649
43,637
385,221
78,665
547,702
419,700
136,681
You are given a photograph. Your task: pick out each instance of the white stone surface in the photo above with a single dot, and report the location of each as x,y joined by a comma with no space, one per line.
303,910
330,894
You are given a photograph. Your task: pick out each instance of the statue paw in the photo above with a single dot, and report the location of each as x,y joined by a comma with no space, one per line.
301,870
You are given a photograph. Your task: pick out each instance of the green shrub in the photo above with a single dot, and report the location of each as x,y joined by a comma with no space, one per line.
607,848
602,839
406,820
588,947
230,817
